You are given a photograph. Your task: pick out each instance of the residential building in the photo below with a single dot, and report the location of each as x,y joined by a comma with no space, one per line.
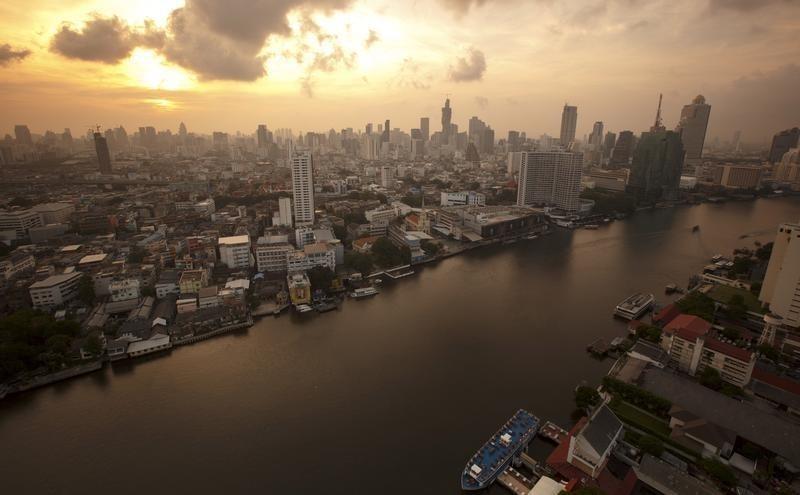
316,254
124,289
623,150
234,251
610,180
463,198
103,154
781,287
387,177
192,281
15,264
788,169
55,290
591,447
303,187
208,297
283,217
54,212
271,253
514,162
167,284
550,178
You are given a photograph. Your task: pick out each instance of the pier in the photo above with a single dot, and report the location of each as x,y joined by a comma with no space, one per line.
515,481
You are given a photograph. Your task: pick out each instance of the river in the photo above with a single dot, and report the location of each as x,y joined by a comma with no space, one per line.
387,395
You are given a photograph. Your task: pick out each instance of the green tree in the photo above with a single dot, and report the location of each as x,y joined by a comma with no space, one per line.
736,308
86,290
717,470
431,248
649,332
360,262
651,445
711,378
321,277
586,398
769,352
386,254
94,345
698,304
731,333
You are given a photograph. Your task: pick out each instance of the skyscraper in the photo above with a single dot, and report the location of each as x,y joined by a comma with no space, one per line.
103,155
23,134
608,144
261,136
569,122
596,137
656,167
692,128
386,136
447,116
513,141
303,187
623,149
487,140
550,178
783,142
425,127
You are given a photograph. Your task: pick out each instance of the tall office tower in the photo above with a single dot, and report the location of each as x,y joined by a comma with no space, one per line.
368,129
386,135
487,141
656,167
417,148
261,136
658,125
596,137
182,132
220,141
476,126
513,141
23,135
447,116
514,162
692,128
550,178
608,144
303,187
781,291
121,136
783,142
623,149
103,155
425,127
569,122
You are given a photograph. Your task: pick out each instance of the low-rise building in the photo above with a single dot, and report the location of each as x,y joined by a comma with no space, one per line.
737,176
299,288
234,252
271,253
15,264
208,297
192,281
168,283
19,221
55,291
463,198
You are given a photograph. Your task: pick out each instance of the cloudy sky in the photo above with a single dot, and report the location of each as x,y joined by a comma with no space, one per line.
232,64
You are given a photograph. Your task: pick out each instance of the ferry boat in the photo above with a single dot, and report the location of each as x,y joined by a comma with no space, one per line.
634,306
363,292
498,453
591,226
532,237
303,308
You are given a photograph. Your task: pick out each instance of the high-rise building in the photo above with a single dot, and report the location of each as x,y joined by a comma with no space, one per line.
656,167
387,177
182,132
447,116
569,122
783,142
283,217
692,128
386,136
608,144
103,155
623,149
514,162
513,141
425,127
23,135
368,129
781,287
487,141
303,187
262,136
550,178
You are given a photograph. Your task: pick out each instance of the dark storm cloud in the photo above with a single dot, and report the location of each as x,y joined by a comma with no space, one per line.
215,39
9,54
469,68
107,40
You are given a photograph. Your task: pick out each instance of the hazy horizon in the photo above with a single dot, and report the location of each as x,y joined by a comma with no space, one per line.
322,64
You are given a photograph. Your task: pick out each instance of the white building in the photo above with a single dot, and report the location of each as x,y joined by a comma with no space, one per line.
317,254
514,162
271,252
463,198
19,221
55,290
124,290
387,177
550,178
303,187
781,287
283,217
55,212
234,252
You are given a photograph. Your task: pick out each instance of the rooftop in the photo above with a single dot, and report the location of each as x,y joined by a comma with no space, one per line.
688,327
234,240
54,280
729,349
92,258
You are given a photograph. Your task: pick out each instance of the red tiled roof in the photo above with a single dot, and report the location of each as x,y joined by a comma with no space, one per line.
728,349
667,314
688,327
778,381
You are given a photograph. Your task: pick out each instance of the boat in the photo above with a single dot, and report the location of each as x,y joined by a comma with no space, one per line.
326,306
364,292
670,288
716,258
553,432
303,308
591,226
695,228
531,237
498,453
634,306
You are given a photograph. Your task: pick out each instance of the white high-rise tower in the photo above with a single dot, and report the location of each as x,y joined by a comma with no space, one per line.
303,187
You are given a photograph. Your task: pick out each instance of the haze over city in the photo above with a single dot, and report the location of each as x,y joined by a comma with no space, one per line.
228,65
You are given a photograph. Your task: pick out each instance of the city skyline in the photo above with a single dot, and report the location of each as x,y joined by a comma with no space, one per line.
607,58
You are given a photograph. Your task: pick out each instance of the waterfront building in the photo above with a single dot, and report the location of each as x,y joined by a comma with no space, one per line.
299,288
781,291
787,171
692,128
55,291
317,254
737,176
234,252
623,150
271,253
550,178
610,180
474,223
569,123
303,187
589,446
19,222
463,198
783,142
656,167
